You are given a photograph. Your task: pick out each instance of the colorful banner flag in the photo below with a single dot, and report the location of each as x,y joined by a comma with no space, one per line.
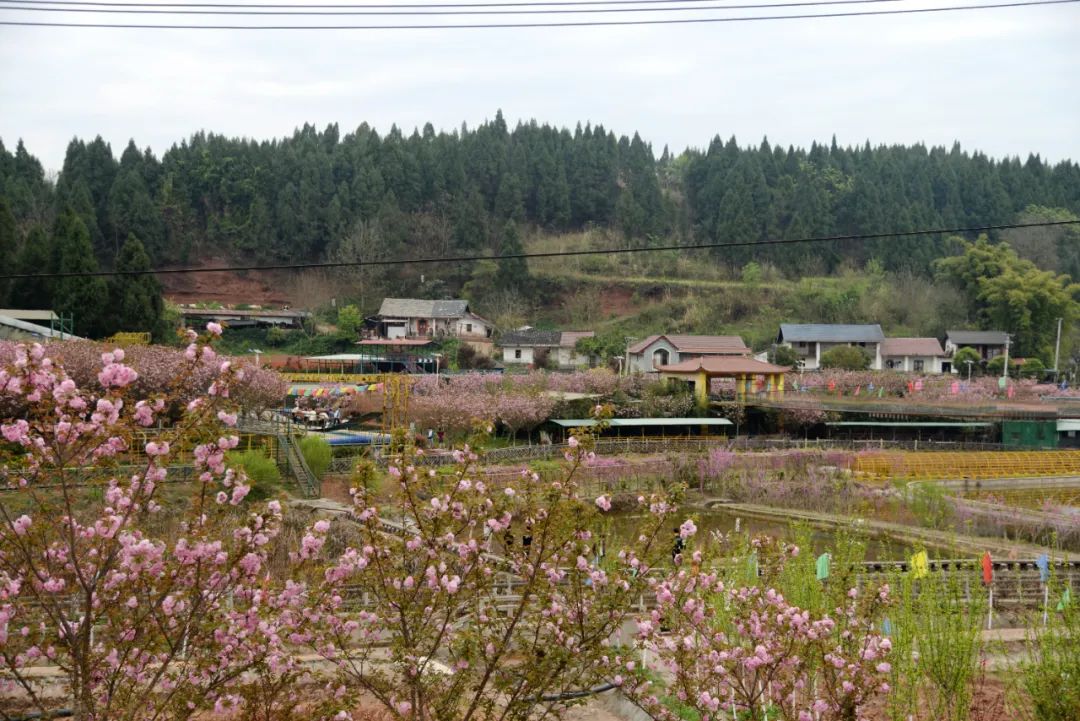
1043,564
987,569
1066,599
823,566
753,567
920,565
955,388
858,390
886,627
1001,383
881,392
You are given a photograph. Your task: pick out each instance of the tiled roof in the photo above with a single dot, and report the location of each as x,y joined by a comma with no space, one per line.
704,344
828,333
723,365
531,337
898,347
976,337
419,308
570,338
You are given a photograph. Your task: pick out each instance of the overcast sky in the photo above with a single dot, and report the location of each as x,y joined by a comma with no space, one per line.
1005,81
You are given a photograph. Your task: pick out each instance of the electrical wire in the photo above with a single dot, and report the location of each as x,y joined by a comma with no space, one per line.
578,24
346,6
548,254
425,13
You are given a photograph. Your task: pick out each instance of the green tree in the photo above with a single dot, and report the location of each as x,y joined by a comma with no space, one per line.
136,304
846,357
961,358
86,298
349,320
604,346
783,355
35,257
8,245
513,272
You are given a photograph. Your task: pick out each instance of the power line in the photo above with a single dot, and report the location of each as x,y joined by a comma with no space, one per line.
590,23
424,13
548,254
315,6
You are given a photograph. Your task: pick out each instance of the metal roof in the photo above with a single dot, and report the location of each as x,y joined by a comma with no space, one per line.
908,424
827,333
1068,424
897,347
640,422
33,329
419,308
976,337
22,314
571,337
706,344
531,337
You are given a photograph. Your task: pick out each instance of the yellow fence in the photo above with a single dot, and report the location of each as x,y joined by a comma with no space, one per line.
355,378
975,465
129,339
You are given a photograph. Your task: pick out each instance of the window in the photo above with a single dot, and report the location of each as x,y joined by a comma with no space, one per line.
918,365
660,358
890,364
802,344
517,353
468,327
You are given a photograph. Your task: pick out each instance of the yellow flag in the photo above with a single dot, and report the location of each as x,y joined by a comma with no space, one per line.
920,565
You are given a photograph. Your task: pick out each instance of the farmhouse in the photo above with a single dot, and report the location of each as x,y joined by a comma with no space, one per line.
646,356
530,346
988,343
918,355
811,340
416,318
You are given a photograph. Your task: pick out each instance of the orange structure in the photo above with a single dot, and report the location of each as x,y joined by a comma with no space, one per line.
750,375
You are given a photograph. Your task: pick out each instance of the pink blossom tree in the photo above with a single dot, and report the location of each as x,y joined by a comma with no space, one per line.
725,644
143,612
486,603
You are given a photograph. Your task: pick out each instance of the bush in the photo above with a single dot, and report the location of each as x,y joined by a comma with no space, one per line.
262,472
317,454
965,354
846,357
1032,368
783,355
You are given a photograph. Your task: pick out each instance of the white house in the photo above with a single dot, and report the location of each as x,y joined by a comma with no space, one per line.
989,343
526,346
647,355
811,340
917,355
415,318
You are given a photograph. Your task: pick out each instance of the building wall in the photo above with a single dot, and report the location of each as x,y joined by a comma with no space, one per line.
930,364
570,358
520,355
470,327
811,351
643,362
986,352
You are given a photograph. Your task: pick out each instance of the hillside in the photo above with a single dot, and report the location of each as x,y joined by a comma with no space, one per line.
490,190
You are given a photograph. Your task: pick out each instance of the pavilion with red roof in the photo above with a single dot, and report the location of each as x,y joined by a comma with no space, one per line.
745,371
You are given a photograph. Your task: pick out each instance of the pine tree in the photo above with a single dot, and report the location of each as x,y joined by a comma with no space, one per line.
8,246
513,272
135,300
35,257
86,298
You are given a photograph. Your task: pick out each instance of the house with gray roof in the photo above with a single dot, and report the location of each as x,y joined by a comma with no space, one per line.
811,340
531,346
989,343
916,355
404,318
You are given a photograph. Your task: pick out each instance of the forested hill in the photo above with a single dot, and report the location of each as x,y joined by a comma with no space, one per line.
431,194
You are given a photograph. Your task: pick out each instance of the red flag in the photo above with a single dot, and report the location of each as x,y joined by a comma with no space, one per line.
987,568
858,389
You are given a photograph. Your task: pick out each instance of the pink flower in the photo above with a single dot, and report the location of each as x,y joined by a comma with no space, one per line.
20,524
154,448
603,503
687,529
213,329
572,442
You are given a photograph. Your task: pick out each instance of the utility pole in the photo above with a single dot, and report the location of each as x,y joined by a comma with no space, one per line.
969,362
1005,367
1057,350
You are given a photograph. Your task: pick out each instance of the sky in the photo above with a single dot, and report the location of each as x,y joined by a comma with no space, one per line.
1003,81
